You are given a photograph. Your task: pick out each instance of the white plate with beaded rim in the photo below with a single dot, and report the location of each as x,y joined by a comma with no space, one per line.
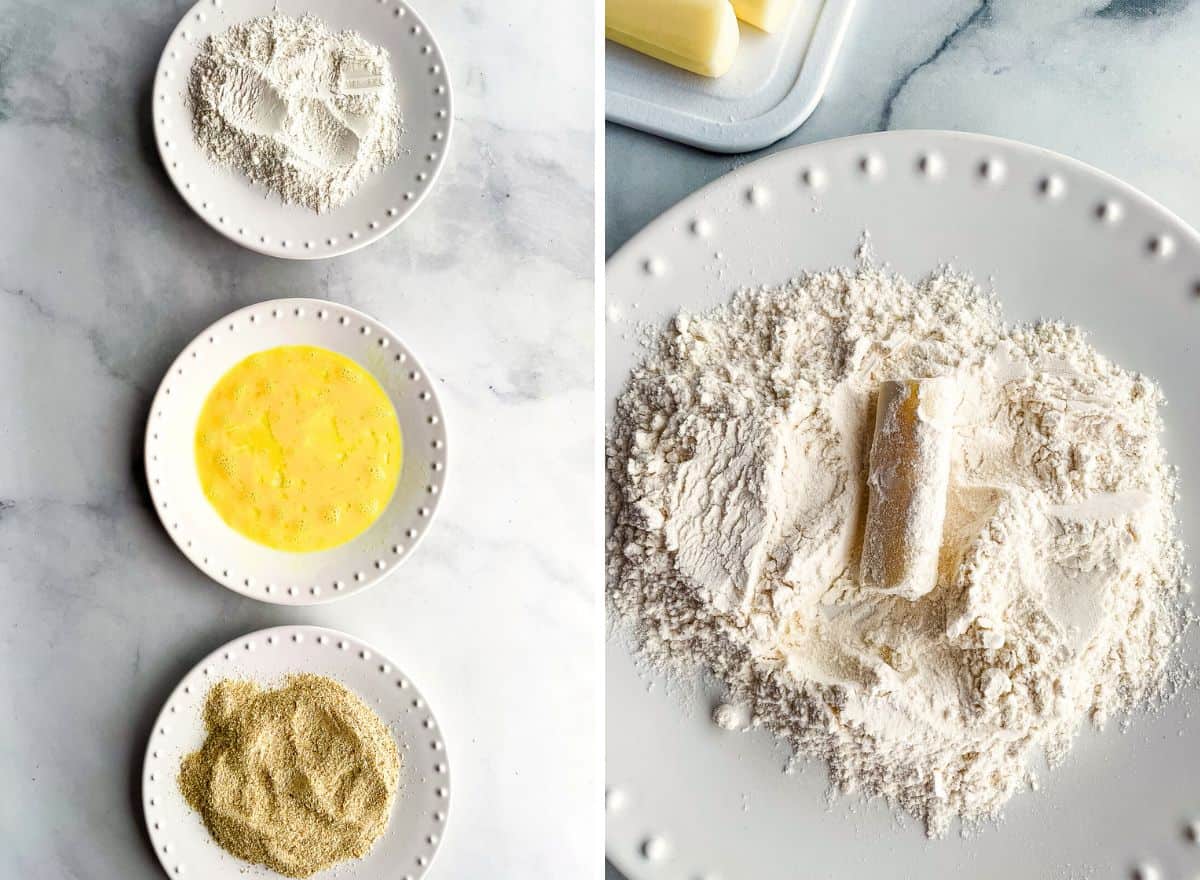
419,814
257,219
1054,238
256,570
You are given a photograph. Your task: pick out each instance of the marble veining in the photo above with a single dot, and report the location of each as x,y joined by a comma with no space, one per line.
978,16
1105,81
105,275
1139,8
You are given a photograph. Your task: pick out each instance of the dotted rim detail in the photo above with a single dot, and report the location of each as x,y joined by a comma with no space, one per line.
1160,244
989,169
170,79
372,564
159,765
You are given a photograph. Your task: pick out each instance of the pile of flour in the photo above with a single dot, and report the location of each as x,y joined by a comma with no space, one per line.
737,469
307,113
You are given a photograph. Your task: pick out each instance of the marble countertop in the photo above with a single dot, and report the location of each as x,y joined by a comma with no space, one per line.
105,275
1104,81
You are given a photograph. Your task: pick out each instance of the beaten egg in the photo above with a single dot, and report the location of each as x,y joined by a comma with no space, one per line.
298,448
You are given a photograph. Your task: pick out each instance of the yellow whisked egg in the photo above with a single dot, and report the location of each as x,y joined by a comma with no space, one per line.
298,448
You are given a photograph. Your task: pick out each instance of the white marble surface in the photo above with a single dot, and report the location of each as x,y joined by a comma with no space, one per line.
1106,82
105,275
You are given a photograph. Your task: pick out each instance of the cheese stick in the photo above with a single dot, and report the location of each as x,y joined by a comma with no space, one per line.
697,35
908,478
769,15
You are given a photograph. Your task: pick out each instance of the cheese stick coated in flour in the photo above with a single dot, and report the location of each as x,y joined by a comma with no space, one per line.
697,35
908,477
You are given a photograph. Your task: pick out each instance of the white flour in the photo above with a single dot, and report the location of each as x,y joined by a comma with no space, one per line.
737,468
307,113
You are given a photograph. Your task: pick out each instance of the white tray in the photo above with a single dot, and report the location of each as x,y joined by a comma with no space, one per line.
1056,239
774,85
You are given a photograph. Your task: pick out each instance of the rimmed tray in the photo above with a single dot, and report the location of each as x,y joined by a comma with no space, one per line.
775,84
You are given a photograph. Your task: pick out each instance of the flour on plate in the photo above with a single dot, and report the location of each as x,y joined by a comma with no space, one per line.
737,487
307,113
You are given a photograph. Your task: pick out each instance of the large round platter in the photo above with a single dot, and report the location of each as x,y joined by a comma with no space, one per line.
256,570
247,213
1055,239
418,821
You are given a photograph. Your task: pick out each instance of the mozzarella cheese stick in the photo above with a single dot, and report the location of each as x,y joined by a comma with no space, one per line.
908,477
769,15
697,35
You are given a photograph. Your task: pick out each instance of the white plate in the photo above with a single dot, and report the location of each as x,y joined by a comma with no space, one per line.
776,82
255,218
253,569
1056,239
419,815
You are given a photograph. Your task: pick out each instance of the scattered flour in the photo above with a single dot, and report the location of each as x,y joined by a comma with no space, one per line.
737,487
729,717
307,113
